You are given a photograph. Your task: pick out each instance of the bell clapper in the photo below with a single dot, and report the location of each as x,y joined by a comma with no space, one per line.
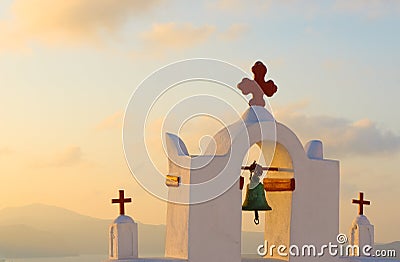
256,218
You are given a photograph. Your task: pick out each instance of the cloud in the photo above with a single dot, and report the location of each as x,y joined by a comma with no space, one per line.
308,9
4,151
262,8
232,5
67,22
333,64
369,8
111,122
341,136
196,133
238,6
162,38
67,157
234,32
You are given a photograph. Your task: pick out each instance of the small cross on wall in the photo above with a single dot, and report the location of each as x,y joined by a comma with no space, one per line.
121,201
361,202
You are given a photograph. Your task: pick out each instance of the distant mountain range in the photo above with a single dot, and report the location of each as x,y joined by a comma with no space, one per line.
40,230
47,231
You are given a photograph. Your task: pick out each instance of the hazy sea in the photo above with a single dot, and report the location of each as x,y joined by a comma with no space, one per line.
85,258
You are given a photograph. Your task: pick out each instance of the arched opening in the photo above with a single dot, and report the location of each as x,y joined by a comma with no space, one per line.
274,225
252,235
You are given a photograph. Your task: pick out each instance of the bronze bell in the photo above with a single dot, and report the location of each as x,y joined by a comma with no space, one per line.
255,200
255,197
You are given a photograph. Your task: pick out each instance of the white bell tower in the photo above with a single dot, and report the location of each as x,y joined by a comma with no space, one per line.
123,243
361,231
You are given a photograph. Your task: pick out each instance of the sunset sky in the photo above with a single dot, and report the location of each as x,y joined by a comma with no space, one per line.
68,69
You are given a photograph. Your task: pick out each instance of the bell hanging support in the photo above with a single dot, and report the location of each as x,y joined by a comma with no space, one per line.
255,195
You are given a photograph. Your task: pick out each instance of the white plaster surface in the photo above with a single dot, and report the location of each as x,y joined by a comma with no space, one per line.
150,260
341,259
210,231
366,259
123,242
314,149
185,260
277,221
361,232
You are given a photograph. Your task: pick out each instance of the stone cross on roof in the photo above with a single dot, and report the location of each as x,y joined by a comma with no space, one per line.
258,87
121,201
361,202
